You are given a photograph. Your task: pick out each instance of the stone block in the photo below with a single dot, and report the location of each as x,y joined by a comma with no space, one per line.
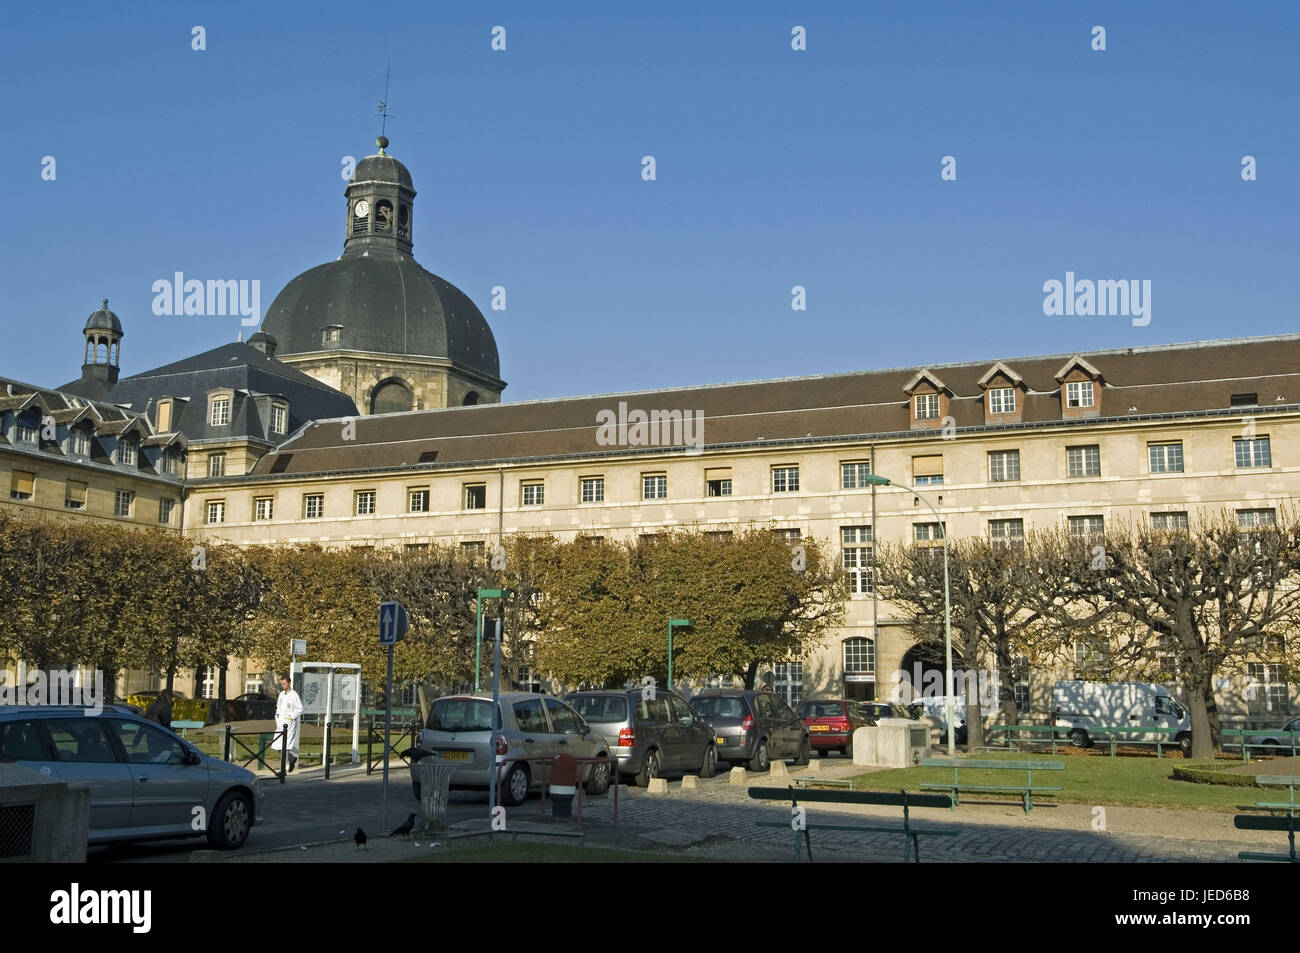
737,777
690,783
657,786
778,770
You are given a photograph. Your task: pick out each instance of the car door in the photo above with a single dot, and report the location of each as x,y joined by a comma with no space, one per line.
167,786
792,727
80,751
535,733
769,725
689,734
569,738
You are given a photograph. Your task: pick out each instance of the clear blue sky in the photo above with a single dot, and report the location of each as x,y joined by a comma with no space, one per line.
775,168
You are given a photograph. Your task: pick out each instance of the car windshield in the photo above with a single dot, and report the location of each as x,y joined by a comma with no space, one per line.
601,708
713,706
821,710
460,714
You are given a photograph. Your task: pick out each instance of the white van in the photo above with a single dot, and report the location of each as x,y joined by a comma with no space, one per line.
1088,706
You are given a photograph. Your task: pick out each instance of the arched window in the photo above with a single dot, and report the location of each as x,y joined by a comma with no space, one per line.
859,669
391,397
470,399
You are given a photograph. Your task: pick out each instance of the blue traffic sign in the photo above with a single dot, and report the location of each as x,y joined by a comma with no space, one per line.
392,623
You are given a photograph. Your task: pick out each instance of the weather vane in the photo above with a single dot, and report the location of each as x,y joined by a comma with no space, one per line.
383,104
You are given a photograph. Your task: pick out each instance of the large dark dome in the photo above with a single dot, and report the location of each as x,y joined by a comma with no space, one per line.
384,303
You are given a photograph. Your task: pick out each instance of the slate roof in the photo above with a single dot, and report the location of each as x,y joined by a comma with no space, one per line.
1167,379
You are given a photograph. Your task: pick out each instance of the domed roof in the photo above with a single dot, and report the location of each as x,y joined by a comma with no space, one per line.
104,320
382,168
384,303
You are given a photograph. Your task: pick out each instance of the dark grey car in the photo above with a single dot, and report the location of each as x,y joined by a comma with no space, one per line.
649,736
756,727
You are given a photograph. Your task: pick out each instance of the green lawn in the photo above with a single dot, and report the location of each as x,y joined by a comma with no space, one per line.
1134,782
529,852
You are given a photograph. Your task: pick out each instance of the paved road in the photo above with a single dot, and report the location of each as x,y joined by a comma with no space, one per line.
309,810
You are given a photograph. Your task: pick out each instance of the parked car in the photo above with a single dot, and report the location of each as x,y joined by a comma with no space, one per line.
458,731
1087,705
251,706
873,711
145,781
1273,736
831,723
649,737
754,727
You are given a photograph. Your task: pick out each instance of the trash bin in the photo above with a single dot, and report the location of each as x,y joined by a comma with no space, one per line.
564,785
435,783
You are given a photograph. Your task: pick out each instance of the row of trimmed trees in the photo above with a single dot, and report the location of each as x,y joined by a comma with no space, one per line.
1189,607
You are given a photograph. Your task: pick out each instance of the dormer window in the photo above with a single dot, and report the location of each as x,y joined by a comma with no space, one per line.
79,441
163,416
219,415
927,406
27,430
279,418
1002,400
332,335
171,462
126,452
1078,394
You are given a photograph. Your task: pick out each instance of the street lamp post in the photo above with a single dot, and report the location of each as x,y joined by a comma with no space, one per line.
949,707
673,624
478,624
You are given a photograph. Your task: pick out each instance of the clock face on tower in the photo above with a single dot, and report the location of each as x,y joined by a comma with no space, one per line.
362,208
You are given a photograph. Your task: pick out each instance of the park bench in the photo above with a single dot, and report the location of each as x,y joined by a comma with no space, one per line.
1160,741
910,833
1026,790
1243,733
803,780
1050,730
1268,822
181,727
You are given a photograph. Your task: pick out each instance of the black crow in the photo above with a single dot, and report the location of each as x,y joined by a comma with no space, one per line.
405,827
360,838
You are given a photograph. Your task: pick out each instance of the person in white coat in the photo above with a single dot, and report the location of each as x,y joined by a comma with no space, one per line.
288,710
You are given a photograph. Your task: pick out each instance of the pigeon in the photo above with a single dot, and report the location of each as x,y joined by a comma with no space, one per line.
360,838
405,827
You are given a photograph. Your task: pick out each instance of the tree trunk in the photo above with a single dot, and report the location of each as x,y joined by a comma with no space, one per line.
974,721
221,691
1200,705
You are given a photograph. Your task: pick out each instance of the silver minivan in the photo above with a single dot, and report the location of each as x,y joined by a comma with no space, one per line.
458,731
145,782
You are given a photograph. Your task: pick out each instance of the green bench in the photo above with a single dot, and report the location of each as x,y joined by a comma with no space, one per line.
1160,742
1242,733
910,833
1026,790
803,780
1288,781
180,727
1267,822
1050,730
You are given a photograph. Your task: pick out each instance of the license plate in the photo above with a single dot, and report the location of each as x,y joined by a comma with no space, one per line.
721,740
819,727
454,756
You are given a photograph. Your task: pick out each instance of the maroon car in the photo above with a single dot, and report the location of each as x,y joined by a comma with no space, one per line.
831,723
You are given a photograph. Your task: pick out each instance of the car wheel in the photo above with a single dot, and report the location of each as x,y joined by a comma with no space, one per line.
847,751
230,822
1079,738
710,765
599,781
824,753
1185,743
515,787
801,758
760,761
649,768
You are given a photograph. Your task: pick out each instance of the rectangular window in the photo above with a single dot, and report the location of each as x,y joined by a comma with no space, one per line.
1078,394
926,533
165,510
209,688
216,464
1087,527
927,406
417,501
1252,452
1004,465
855,542
1009,533
76,495
1091,659
1165,457
1251,519
717,481
122,502
171,462
853,476
1002,400
721,535
476,496
788,682
163,416
125,453
474,549
654,487
1083,461
365,503
859,657
216,511
791,536
279,418
533,494
1243,400
1169,522
593,489
927,471
26,432
1270,692
254,685
414,548
220,415
80,442
1020,676
263,508
23,485
785,479
313,506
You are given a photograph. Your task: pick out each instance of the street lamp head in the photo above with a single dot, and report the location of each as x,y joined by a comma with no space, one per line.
877,480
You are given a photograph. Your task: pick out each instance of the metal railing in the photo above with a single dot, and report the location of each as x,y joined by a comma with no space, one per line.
374,732
547,762
265,740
